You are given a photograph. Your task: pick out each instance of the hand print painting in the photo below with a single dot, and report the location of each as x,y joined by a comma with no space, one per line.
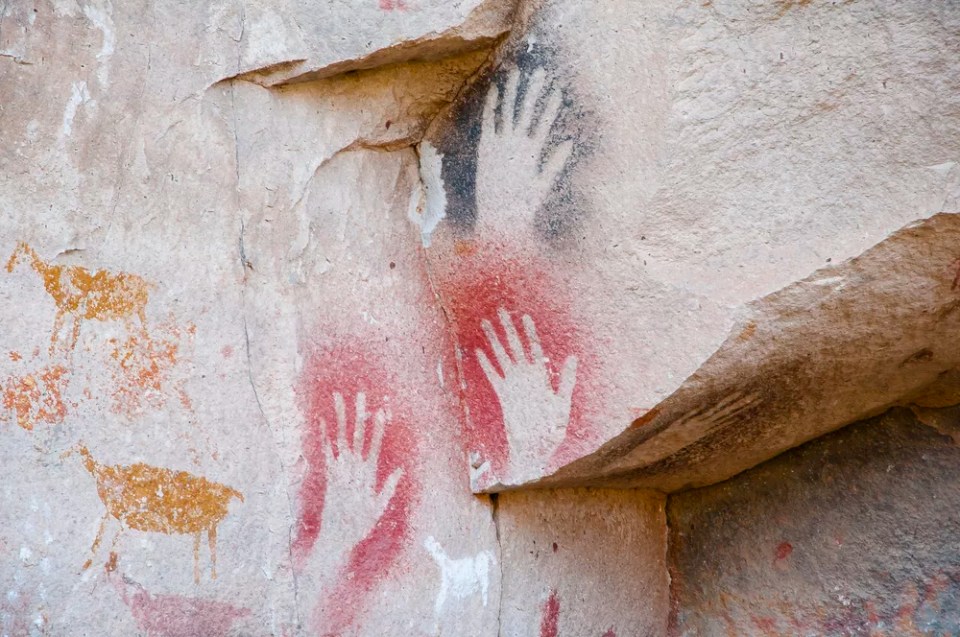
531,406
359,486
524,355
517,164
479,318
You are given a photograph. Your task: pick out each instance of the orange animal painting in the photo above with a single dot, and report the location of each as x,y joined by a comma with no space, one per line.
158,500
37,397
83,295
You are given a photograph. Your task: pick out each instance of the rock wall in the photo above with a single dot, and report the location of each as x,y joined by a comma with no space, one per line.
230,397
287,285
852,534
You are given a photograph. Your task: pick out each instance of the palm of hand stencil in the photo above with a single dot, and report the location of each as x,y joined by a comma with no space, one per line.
353,505
515,173
535,415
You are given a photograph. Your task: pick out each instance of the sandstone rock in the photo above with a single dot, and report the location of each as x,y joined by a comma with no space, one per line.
848,534
660,213
286,284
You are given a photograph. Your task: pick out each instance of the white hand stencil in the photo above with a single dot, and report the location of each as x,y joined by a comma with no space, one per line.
534,415
512,182
351,505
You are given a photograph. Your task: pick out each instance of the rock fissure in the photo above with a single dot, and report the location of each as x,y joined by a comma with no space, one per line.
495,516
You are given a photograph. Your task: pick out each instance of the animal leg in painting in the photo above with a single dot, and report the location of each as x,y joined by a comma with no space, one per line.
158,500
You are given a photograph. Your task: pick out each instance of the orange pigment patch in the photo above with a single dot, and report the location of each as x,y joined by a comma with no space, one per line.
111,564
464,248
144,367
645,419
15,356
37,397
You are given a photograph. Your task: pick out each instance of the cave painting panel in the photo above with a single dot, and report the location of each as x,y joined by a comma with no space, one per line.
82,295
525,360
359,489
158,500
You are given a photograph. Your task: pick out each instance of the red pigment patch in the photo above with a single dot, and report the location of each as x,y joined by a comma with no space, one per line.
475,293
176,615
227,351
390,5
765,624
784,549
610,633
549,623
348,370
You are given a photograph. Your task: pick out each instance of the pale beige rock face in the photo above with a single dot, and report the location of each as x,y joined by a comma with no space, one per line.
561,575
289,282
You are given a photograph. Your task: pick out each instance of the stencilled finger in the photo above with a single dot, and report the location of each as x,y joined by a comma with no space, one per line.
536,348
503,360
376,439
359,425
341,409
551,110
531,96
325,447
556,162
517,352
389,488
568,379
508,109
489,371
490,110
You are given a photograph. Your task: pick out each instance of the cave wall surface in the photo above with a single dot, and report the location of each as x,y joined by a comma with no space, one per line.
230,398
852,534
286,285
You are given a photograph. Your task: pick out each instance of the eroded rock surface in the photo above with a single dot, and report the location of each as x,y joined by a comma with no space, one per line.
286,284
850,534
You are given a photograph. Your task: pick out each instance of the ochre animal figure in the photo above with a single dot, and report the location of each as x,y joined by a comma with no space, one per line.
159,500
84,295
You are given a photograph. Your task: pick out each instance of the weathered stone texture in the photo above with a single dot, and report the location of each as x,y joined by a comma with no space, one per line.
560,576
852,534
287,283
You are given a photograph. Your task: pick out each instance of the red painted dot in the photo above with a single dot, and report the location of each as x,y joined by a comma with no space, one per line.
784,549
